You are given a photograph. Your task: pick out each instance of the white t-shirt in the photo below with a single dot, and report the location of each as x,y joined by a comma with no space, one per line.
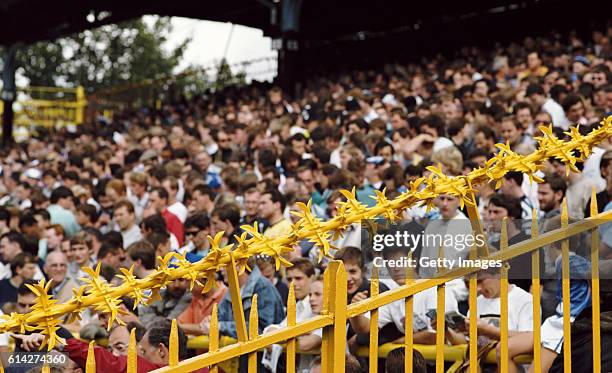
422,302
178,209
520,310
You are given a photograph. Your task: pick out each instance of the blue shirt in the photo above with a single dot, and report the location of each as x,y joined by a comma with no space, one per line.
65,218
269,305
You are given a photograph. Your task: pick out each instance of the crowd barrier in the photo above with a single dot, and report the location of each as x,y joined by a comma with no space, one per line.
103,297
49,106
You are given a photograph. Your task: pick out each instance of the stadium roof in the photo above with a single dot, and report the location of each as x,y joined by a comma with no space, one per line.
321,20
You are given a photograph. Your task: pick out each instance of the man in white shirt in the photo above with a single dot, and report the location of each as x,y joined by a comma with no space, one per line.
423,302
536,95
488,305
125,216
171,184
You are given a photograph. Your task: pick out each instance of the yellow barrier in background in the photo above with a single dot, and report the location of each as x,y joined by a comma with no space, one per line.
49,106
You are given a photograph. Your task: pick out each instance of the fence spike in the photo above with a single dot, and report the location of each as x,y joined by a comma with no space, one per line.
440,327
173,359
90,364
565,285
595,288
253,333
291,344
132,353
237,307
45,369
373,355
594,207
535,291
213,339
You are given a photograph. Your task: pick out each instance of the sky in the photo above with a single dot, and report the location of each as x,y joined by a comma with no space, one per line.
209,40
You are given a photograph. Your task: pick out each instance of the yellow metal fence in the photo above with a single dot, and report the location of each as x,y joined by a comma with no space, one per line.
49,106
103,297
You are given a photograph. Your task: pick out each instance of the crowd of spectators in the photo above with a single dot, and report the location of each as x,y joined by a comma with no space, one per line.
123,191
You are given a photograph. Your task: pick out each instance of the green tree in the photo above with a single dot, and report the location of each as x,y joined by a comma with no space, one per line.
108,56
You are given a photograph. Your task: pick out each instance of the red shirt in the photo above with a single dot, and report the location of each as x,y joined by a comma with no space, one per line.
174,226
106,362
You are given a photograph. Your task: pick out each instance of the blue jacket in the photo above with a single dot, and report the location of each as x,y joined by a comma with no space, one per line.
269,305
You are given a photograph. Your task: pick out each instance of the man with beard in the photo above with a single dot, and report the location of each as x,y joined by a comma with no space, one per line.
550,195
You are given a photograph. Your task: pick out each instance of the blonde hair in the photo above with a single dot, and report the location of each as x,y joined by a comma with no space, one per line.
451,160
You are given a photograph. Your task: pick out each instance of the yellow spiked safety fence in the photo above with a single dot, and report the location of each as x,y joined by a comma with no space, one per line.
103,297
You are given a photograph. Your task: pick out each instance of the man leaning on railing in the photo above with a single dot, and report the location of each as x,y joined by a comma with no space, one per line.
488,305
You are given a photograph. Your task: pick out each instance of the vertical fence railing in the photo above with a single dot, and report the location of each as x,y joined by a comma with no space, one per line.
336,312
535,291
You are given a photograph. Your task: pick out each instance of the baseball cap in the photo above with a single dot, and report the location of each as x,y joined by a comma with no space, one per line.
583,60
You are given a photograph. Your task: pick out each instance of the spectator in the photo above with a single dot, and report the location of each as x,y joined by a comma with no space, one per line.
550,195
171,184
271,207
520,317
394,363
512,187
112,255
56,269
61,210
54,235
502,206
174,300
141,255
202,200
125,217
138,194
197,229
81,248
119,337
158,200
200,307
23,267
226,218
270,307
11,245
267,267
579,189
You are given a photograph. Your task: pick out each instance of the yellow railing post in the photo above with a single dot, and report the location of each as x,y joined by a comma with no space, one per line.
173,359
291,318
473,307
503,322
90,364
132,366
408,326
535,291
595,288
565,284
237,308
373,358
213,344
253,332
440,328
333,357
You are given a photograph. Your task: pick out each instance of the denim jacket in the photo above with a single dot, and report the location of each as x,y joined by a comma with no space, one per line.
269,305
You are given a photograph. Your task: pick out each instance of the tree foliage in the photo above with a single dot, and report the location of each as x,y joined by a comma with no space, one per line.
109,56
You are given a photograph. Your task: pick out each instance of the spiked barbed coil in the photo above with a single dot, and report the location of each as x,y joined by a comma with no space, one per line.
97,294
